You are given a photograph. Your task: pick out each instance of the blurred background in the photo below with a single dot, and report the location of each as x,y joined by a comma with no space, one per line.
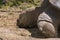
22,4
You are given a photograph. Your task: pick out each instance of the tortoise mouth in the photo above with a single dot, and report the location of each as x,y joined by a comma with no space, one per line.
55,3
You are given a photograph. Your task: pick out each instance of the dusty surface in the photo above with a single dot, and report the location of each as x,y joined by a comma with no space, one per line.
10,31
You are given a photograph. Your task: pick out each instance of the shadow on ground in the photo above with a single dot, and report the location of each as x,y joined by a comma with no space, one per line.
35,33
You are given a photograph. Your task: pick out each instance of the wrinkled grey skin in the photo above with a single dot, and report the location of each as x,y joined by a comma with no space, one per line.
48,21
28,18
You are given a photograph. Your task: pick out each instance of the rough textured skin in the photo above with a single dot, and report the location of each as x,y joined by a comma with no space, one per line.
48,21
29,17
47,29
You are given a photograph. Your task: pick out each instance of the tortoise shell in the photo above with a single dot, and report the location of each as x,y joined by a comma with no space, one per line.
55,3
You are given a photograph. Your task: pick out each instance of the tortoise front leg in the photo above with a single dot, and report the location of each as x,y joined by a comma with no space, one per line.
46,25
47,29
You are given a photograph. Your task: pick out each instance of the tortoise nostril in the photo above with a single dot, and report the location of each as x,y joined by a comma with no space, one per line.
20,25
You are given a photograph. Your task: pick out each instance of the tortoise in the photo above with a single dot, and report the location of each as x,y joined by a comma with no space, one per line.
49,20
